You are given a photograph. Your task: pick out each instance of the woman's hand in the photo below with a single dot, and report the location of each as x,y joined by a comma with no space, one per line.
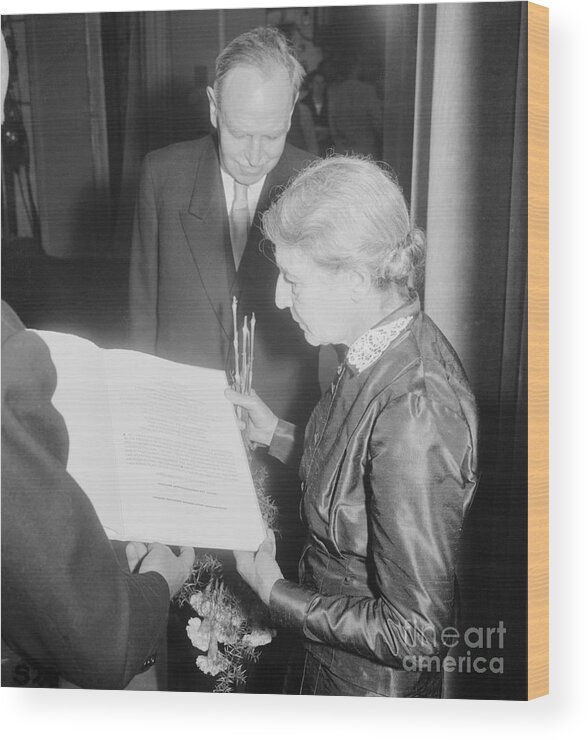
261,421
260,570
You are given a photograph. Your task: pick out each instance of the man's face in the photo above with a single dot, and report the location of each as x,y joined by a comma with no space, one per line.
252,121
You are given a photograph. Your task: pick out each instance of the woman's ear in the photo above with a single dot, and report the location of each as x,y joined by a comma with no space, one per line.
359,284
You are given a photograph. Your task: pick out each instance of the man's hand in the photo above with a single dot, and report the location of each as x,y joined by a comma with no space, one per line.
260,570
135,552
261,420
159,558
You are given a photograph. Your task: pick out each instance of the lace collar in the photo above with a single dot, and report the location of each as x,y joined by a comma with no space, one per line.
372,345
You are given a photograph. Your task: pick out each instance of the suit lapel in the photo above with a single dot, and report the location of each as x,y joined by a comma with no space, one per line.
206,228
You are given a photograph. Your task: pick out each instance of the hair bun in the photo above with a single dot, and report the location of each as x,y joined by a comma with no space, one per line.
409,257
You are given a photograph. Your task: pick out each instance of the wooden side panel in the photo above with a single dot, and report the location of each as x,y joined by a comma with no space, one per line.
538,625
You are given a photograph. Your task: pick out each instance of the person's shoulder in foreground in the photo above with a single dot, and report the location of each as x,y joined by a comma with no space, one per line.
68,604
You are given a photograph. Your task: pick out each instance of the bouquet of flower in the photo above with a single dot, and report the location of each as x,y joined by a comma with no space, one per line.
230,626
231,623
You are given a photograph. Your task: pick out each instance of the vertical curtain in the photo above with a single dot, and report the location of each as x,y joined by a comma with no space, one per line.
425,60
474,113
146,114
399,91
469,190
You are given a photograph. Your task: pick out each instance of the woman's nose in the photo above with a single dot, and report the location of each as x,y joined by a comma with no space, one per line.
282,293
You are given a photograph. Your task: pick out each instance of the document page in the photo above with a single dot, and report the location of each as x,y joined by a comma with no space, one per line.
81,397
174,450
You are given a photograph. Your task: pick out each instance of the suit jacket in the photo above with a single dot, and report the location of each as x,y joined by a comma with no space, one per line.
182,276
67,603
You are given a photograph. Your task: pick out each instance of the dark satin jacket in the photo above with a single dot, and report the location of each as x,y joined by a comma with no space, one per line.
388,474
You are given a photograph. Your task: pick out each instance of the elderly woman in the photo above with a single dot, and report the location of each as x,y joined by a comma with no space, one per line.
388,467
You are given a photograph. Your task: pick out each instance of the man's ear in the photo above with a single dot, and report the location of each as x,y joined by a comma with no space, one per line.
214,112
292,111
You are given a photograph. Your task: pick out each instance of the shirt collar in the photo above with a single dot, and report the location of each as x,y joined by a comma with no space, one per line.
369,347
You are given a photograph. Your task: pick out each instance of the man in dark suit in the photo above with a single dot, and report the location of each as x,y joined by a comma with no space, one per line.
70,607
197,243
187,260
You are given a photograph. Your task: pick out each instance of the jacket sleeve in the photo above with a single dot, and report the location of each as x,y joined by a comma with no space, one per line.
287,443
143,273
67,604
420,483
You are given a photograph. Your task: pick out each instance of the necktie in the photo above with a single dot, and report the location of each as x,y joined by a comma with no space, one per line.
239,222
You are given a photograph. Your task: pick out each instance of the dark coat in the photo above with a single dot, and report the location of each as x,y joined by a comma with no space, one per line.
68,605
389,472
183,276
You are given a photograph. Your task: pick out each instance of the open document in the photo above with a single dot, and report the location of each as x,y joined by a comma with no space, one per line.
156,447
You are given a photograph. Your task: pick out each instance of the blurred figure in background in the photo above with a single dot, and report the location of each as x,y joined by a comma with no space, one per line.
355,115
302,133
317,102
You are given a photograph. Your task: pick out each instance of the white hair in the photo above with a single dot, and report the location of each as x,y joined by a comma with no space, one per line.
348,212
